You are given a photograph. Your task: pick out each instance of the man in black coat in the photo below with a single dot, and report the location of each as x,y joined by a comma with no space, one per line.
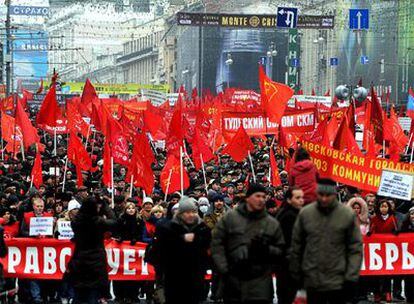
286,286
181,246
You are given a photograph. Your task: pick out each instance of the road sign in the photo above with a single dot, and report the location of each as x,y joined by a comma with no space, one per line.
334,61
287,17
263,60
294,62
364,60
293,52
358,19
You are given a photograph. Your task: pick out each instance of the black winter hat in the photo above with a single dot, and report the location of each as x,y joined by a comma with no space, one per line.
253,188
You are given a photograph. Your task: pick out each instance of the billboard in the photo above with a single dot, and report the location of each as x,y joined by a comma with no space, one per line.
30,55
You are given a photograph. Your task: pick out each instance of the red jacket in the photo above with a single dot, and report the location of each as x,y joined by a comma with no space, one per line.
10,230
303,174
379,225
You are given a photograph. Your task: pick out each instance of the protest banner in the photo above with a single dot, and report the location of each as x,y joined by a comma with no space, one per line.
352,170
396,184
41,226
48,258
384,254
256,124
64,229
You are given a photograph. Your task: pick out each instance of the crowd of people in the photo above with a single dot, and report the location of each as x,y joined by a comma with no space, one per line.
232,222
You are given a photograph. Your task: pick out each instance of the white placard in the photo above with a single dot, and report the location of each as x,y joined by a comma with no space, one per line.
54,171
65,230
396,184
41,226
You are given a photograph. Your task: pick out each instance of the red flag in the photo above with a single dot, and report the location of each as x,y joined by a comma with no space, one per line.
393,131
331,130
175,132
275,178
118,142
171,175
30,135
201,150
327,93
376,118
360,82
88,93
300,92
152,122
345,140
313,92
49,112
107,166
351,118
239,146
140,166
275,97
282,140
75,120
36,174
78,155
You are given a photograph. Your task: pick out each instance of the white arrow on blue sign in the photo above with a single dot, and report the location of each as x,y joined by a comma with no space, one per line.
359,19
263,60
287,17
334,61
364,60
294,62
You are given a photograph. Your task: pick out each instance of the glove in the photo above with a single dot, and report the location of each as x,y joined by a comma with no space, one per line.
240,254
260,248
133,242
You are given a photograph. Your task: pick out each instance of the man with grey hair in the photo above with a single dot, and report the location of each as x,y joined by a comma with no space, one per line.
181,247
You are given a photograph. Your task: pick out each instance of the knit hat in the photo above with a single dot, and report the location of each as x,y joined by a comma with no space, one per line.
411,210
326,186
217,197
203,201
147,200
253,188
73,204
187,204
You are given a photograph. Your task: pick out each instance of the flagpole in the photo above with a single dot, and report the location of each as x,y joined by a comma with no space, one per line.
22,150
31,182
87,136
2,148
93,142
54,141
204,172
112,182
64,174
383,148
132,185
181,171
251,165
412,151
409,142
168,185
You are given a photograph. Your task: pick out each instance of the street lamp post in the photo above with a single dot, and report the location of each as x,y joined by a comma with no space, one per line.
271,53
228,63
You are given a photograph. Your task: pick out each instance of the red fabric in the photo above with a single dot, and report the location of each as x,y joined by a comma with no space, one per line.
376,118
274,96
78,155
88,96
118,142
150,228
303,174
28,215
275,180
239,146
345,140
30,135
75,120
378,225
313,92
201,150
393,131
40,89
49,111
171,175
175,132
11,231
36,174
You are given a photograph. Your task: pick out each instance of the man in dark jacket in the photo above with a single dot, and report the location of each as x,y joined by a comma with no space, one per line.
286,287
182,249
326,248
246,244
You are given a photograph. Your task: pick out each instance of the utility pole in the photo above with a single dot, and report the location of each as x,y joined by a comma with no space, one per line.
8,50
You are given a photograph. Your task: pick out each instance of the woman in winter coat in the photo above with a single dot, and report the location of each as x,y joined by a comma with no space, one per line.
182,251
360,208
303,175
87,269
384,221
129,231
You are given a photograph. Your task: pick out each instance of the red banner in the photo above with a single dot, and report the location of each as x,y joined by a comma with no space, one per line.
384,254
352,170
256,124
47,259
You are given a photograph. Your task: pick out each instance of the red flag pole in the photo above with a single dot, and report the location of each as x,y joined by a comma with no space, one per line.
168,185
204,172
251,165
181,171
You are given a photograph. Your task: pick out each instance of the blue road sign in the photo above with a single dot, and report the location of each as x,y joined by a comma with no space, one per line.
334,61
364,60
359,19
294,62
263,60
287,17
